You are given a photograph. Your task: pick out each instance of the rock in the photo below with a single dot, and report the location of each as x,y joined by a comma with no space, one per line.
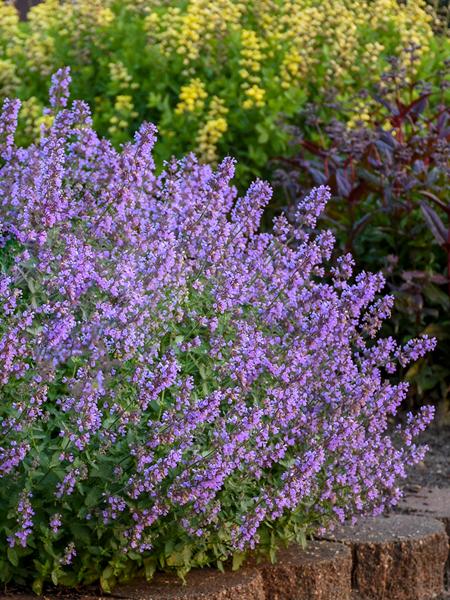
432,502
399,557
320,572
202,584
414,488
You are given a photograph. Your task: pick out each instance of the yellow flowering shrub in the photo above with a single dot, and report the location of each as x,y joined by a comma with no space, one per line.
10,48
9,80
123,112
212,131
192,97
9,25
31,116
215,76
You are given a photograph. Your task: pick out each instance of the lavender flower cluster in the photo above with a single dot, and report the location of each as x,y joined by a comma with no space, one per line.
177,387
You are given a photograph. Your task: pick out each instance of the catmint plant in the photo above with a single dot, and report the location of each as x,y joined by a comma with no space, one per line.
177,387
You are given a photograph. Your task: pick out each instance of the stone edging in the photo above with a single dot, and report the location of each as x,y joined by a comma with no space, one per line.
399,557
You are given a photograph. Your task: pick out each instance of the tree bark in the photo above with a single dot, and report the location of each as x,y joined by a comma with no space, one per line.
23,6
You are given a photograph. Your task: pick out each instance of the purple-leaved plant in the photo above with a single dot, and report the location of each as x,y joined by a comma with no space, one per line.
177,388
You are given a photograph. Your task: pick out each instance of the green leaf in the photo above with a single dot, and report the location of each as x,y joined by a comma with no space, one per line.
81,532
263,136
300,538
238,560
37,586
108,572
182,572
13,556
150,568
92,497
180,557
107,579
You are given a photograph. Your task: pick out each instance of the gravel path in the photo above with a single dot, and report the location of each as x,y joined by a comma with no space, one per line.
434,471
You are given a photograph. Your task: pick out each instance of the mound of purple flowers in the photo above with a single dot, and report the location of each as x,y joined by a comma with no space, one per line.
177,387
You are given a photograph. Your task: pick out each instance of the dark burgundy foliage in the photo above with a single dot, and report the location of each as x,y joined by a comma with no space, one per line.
389,177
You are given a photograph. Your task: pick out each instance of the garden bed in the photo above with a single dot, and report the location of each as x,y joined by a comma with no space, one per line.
191,387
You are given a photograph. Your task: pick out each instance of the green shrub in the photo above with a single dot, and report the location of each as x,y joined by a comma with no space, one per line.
213,76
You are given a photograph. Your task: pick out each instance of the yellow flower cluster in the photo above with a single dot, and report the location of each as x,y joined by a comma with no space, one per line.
79,23
9,23
123,112
121,77
9,80
250,67
192,97
32,117
369,58
360,113
412,21
255,97
188,33
211,132
299,30
295,32
344,45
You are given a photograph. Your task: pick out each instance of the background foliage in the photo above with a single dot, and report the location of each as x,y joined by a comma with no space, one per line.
389,172
214,76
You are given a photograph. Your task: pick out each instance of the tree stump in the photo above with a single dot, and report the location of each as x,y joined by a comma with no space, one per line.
399,557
